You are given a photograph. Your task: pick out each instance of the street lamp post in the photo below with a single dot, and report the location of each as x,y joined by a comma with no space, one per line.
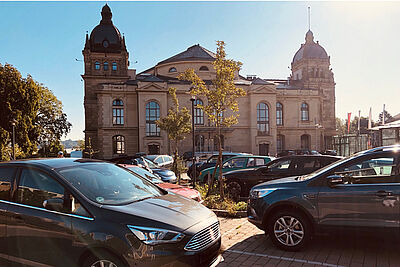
13,139
192,99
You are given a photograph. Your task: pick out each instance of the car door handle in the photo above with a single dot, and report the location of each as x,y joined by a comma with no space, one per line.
384,193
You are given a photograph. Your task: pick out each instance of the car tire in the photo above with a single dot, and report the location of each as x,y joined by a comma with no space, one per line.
289,230
234,190
102,258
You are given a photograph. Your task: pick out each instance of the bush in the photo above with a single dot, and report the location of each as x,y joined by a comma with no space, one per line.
214,201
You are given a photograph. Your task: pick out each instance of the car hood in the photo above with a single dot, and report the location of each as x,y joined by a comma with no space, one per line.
169,211
287,181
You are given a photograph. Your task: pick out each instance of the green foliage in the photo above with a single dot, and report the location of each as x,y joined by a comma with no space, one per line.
81,145
222,97
388,117
177,124
51,149
214,201
35,110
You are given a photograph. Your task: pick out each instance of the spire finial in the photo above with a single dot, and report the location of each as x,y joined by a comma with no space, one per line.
309,18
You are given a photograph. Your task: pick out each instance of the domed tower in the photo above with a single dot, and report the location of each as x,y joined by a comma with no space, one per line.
106,62
311,71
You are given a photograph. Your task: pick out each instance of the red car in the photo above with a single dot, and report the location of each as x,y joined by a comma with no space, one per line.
175,188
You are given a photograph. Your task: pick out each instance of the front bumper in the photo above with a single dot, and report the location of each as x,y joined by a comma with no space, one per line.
171,255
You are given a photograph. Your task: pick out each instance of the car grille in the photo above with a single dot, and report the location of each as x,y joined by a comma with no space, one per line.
204,238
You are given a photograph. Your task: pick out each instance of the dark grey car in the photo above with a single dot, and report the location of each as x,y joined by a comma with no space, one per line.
360,192
88,213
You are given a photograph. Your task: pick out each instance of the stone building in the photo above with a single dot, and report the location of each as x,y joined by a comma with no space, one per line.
121,106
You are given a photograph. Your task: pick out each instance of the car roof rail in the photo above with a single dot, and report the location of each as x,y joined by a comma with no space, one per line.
379,149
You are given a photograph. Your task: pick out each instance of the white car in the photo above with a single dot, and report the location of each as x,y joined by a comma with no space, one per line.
161,160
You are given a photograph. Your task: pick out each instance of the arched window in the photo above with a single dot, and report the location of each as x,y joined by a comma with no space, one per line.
305,116
262,118
280,142
198,113
97,65
199,142
216,142
114,66
105,66
119,144
152,115
118,112
305,141
173,69
279,114
203,68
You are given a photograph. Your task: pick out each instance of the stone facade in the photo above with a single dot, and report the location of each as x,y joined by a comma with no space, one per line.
121,106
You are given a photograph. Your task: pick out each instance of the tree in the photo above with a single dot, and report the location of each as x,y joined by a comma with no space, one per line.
177,124
341,126
222,96
388,117
35,110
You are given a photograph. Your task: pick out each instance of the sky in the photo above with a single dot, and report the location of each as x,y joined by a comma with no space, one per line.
45,40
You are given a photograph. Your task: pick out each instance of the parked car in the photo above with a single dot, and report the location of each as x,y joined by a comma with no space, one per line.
161,160
357,193
81,212
235,163
239,182
166,175
211,162
155,179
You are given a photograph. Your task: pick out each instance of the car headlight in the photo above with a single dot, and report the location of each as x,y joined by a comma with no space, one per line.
154,236
259,193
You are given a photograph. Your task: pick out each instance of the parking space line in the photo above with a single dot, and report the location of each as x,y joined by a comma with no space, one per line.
283,258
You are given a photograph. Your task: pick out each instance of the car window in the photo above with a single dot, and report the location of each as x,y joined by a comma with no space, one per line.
213,159
310,164
260,162
235,163
167,158
280,165
159,160
144,173
251,162
6,176
370,170
109,184
35,187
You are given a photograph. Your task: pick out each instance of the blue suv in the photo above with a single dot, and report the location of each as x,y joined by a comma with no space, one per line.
355,193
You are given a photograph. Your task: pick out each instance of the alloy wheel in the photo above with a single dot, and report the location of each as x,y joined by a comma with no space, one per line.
103,263
288,230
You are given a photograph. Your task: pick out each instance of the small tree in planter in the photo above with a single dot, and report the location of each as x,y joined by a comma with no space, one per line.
221,96
177,124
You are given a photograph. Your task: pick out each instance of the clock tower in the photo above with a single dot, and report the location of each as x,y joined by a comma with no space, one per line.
106,61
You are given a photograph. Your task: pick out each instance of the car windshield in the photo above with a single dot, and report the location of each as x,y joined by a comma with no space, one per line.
151,157
323,169
151,164
109,184
144,173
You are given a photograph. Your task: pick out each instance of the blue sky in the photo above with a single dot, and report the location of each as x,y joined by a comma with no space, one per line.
44,39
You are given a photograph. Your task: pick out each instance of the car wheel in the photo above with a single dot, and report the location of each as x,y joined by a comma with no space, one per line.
234,190
289,230
102,259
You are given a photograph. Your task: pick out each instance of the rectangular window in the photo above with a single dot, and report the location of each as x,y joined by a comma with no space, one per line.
118,116
35,187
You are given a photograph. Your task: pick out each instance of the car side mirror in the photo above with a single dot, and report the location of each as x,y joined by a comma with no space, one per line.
56,204
335,179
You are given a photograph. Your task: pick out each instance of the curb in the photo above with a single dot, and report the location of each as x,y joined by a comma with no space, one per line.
225,213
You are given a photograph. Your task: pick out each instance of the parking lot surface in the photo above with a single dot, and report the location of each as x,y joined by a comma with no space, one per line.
246,245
